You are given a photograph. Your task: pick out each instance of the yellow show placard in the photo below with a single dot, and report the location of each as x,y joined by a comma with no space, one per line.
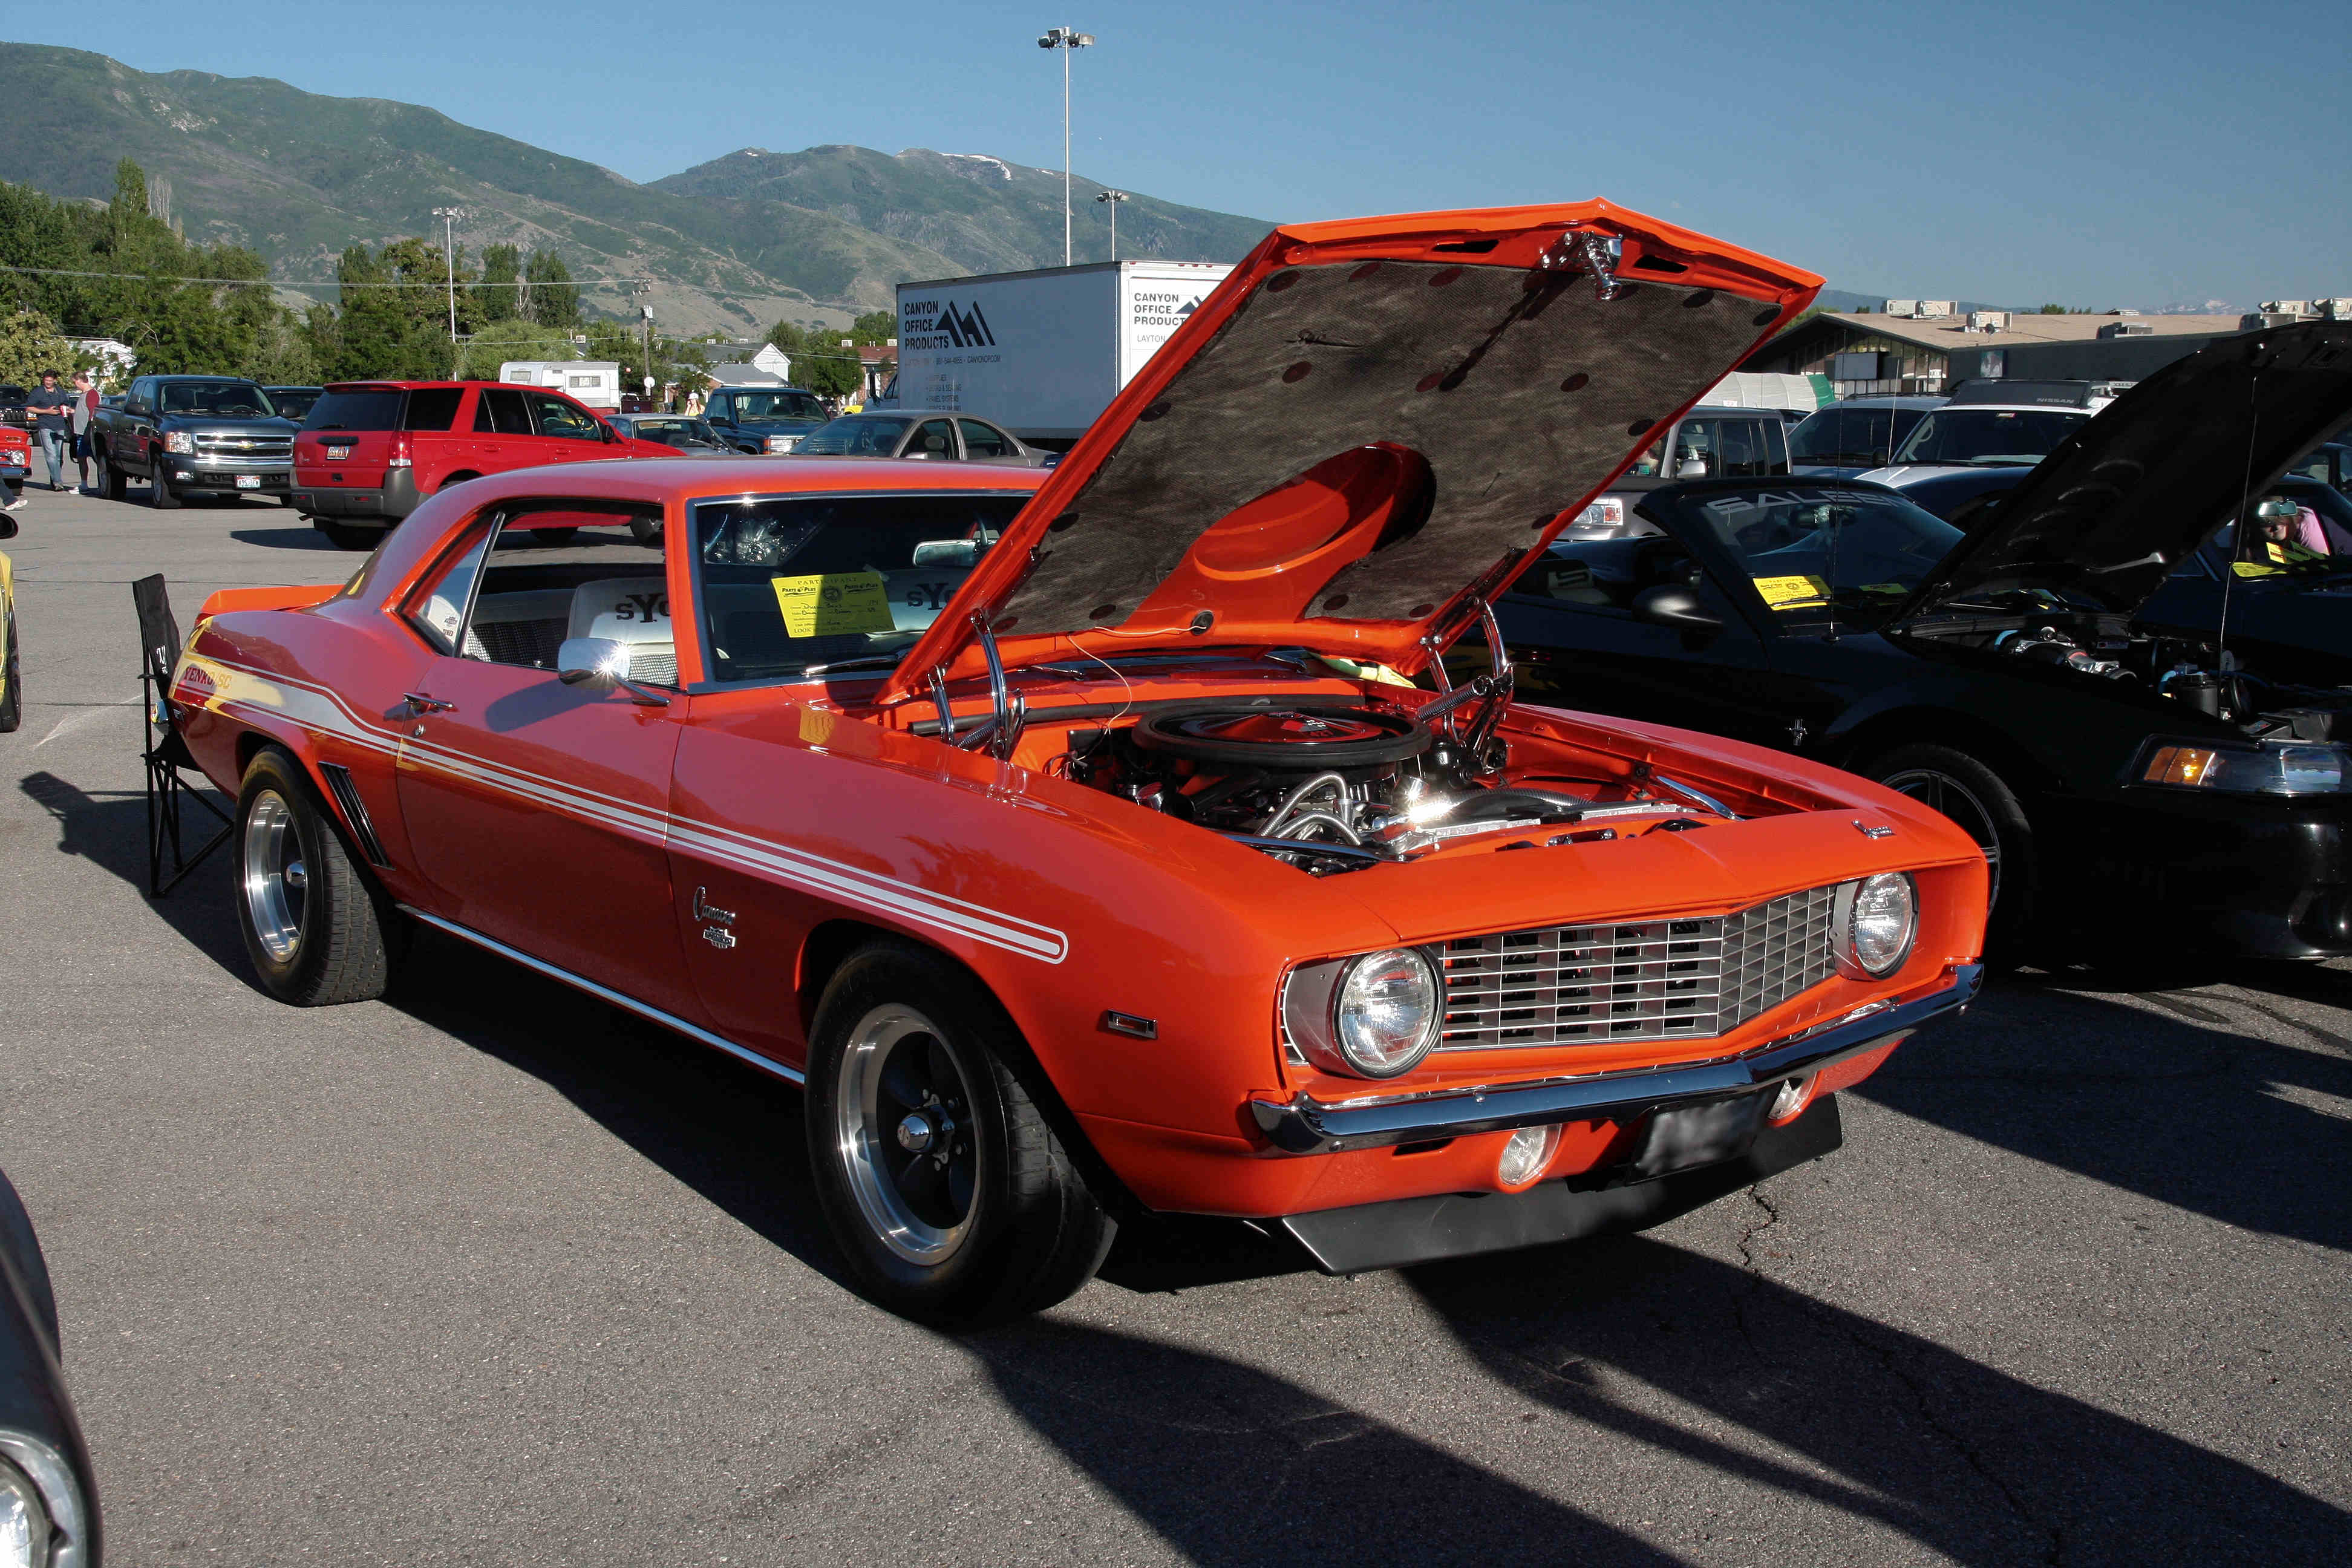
1791,593
827,603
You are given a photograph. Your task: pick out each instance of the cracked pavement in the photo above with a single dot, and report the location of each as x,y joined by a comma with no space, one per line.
492,1273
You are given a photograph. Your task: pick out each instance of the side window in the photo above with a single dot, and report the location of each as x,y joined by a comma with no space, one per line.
432,408
1605,576
1696,455
557,417
438,608
557,574
501,412
1740,450
935,439
721,410
982,440
1776,446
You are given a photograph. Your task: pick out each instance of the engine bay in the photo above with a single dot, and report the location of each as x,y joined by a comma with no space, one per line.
2191,671
1328,785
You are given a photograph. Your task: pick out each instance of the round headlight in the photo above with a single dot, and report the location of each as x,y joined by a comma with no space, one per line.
1875,921
23,1520
1386,1012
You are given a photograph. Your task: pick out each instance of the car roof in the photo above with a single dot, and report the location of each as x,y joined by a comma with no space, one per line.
704,479
1887,400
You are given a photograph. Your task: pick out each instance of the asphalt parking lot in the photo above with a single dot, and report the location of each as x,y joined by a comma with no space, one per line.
493,1273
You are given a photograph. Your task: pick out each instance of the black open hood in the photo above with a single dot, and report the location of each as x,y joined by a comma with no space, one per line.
2107,515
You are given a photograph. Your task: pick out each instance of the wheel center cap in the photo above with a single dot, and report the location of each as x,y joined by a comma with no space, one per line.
296,876
915,1132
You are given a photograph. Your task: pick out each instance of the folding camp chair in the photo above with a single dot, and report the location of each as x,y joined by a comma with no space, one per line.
165,753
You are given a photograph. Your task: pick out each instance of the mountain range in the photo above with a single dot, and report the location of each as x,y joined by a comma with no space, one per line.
735,243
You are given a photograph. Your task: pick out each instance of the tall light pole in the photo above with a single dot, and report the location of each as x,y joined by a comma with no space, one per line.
1065,40
449,217
1111,200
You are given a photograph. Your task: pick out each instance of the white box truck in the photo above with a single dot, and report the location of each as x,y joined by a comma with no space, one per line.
1042,352
592,382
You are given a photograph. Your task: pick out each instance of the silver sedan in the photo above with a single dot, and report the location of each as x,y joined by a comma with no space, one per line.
936,438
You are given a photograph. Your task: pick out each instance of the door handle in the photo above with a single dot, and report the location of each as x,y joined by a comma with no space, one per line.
419,704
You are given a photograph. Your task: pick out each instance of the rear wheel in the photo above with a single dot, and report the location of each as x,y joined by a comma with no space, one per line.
454,480
344,536
12,684
110,477
317,927
1984,807
950,1192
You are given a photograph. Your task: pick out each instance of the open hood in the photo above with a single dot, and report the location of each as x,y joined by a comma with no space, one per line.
1368,422
2107,515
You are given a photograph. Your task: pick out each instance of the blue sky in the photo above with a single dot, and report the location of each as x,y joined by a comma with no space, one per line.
2103,156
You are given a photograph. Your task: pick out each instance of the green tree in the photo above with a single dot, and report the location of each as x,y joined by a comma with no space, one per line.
499,296
512,339
2052,311
30,344
875,327
554,297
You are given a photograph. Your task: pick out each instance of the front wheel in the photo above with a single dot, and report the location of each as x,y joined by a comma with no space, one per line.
12,684
159,494
316,927
948,1190
1983,806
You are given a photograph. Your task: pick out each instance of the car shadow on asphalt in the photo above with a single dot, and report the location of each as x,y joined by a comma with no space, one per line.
2166,1099
108,829
1719,1366
301,537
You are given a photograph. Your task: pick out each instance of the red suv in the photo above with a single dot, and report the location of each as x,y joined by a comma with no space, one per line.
369,450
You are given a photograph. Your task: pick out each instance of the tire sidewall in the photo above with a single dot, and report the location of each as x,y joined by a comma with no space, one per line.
961,1014
12,700
2012,922
272,771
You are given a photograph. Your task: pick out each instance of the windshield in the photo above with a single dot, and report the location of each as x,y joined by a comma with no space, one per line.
861,436
2313,545
220,399
821,580
753,406
1850,437
673,432
1807,550
1991,436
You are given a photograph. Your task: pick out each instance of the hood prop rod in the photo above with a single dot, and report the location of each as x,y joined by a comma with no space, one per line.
998,733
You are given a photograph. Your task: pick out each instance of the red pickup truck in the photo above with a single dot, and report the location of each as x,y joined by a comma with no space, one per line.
369,450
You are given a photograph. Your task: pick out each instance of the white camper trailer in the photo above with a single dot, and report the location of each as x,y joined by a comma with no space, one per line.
592,382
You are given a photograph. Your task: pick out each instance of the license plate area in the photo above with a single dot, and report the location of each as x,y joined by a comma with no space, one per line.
338,454
1689,1136
248,481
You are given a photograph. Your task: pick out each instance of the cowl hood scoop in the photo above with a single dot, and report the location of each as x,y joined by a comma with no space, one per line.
1366,423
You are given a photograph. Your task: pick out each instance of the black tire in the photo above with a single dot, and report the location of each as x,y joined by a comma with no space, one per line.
1987,809
645,533
1027,1231
454,480
110,477
344,536
12,675
318,928
159,494
553,538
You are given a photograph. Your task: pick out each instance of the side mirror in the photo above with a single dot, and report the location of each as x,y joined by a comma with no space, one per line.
612,436
602,664
1671,604
1691,468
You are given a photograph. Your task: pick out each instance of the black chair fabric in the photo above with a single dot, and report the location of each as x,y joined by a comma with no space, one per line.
165,751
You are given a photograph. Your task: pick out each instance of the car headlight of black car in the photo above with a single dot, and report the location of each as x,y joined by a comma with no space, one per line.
2291,768
42,1522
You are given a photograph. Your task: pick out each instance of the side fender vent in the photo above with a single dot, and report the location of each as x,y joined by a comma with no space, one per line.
347,796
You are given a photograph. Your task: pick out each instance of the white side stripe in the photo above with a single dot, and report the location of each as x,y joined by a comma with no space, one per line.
244,693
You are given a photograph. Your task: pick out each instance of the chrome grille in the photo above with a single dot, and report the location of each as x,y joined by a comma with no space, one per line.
1633,981
259,448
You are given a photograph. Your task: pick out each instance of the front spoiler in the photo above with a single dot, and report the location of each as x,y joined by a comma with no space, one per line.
1307,1126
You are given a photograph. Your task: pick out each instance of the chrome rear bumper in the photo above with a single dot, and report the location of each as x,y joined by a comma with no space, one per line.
1305,1126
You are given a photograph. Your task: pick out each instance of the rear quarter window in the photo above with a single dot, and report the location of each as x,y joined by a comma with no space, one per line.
433,408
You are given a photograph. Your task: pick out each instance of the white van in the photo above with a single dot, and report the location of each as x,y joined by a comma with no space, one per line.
592,382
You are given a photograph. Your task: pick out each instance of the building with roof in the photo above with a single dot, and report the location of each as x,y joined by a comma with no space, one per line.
1866,353
764,365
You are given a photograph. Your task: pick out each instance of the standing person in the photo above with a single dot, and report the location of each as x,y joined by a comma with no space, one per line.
51,428
84,411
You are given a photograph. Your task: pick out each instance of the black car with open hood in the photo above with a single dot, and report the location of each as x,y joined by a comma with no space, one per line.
2129,777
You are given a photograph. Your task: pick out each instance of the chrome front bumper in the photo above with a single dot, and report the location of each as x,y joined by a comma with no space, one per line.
1306,1126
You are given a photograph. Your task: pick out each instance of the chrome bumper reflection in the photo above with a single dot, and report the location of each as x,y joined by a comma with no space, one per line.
1306,1126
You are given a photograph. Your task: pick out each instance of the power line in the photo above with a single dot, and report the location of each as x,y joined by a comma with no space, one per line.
291,283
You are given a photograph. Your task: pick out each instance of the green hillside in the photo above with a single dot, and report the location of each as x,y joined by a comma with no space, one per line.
736,243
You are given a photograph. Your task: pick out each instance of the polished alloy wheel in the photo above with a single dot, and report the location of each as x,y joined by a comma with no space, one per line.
1947,795
275,876
903,1128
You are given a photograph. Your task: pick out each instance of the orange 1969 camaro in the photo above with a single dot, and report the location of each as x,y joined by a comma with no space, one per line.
1113,841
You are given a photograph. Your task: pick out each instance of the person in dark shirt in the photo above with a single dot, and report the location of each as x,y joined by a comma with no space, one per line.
52,404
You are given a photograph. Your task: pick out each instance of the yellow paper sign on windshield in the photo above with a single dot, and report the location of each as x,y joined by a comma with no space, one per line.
1788,592
829,602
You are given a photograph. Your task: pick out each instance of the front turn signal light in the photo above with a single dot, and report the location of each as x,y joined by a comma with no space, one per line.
2179,765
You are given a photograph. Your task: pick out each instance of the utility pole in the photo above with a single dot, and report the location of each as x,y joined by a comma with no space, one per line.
646,312
449,217
1065,40
1111,200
